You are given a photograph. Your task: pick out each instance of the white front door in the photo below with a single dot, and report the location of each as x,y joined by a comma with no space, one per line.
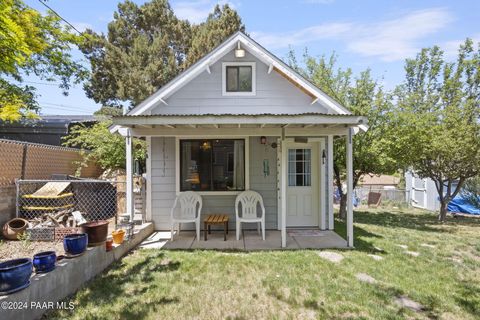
302,184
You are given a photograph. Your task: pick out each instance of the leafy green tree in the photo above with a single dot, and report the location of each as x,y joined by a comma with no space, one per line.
362,96
220,24
146,47
471,191
98,144
437,119
32,44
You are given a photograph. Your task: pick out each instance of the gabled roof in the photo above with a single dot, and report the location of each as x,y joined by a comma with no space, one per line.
259,52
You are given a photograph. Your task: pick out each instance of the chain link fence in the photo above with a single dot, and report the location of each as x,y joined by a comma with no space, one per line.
388,197
26,160
95,199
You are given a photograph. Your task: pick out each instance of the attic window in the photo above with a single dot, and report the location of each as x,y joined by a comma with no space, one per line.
238,78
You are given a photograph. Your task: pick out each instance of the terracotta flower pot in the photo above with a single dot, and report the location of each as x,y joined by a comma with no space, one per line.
97,232
109,245
15,227
118,236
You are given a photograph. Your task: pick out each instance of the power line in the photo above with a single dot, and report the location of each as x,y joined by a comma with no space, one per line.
84,108
58,15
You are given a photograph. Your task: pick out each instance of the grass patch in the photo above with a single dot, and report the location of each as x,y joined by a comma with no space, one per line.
153,284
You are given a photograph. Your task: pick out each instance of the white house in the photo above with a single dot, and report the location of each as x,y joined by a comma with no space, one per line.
241,119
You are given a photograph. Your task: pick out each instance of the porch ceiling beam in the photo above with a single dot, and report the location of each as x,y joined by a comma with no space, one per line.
240,132
232,119
169,126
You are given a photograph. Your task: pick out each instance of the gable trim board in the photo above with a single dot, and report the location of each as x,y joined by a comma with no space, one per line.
254,48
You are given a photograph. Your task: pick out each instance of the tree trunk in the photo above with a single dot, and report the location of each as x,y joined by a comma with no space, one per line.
343,206
443,210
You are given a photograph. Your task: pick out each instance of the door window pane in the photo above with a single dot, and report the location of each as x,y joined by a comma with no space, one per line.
299,168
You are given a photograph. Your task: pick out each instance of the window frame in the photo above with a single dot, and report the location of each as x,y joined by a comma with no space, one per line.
239,93
212,193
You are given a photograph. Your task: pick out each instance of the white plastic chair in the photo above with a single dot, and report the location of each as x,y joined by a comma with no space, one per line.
190,210
249,201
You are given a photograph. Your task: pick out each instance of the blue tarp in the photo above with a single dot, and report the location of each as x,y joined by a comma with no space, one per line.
460,205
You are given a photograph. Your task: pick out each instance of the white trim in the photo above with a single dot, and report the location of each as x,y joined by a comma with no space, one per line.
212,193
283,192
149,179
129,174
331,224
279,184
254,48
238,64
322,201
349,165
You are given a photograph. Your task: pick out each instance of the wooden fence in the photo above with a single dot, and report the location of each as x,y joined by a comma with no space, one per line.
25,160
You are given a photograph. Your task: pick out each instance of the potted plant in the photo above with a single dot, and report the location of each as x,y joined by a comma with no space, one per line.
15,275
118,236
75,244
97,232
44,262
15,227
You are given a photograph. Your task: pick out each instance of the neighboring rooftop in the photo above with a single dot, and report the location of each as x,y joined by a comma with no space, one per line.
48,130
381,180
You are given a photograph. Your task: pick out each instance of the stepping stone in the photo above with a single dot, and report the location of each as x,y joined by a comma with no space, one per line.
402,246
408,303
426,245
378,249
412,253
375,257
331,256
365,278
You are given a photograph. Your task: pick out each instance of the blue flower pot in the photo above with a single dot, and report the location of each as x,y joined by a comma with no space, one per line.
75,244
15,275
44,261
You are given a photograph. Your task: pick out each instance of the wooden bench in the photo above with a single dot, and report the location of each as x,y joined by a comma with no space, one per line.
216,219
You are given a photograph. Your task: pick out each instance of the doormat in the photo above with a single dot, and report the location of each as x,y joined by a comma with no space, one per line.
306,233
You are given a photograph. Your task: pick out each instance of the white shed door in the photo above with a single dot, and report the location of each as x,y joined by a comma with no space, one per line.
302,185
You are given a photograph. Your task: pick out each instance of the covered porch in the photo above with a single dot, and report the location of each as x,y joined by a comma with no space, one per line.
287,132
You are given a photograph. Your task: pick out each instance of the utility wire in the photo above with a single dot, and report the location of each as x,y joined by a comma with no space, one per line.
58,15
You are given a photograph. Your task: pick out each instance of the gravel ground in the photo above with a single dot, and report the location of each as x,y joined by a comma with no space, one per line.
26,249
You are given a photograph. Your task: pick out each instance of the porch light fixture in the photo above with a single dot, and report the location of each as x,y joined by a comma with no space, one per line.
263,140
239,52
324,156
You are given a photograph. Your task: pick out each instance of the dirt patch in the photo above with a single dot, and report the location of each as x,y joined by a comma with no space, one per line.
26,249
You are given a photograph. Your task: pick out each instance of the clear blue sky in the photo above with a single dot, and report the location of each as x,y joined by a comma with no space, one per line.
364,33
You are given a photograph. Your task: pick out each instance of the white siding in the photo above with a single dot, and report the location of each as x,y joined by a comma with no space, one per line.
274,94
163,184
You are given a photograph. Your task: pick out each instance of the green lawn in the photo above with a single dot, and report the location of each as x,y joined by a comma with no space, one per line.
153,284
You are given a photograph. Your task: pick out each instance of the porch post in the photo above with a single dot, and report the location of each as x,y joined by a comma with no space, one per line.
349,187
330,181
129,174
283,190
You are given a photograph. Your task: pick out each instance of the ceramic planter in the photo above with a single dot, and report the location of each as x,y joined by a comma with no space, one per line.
13,228
118,236
109,244
75,244
44,261
15,275
97,232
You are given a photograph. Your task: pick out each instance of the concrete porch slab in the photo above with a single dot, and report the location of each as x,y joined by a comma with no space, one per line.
215,241
327,239
250,240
